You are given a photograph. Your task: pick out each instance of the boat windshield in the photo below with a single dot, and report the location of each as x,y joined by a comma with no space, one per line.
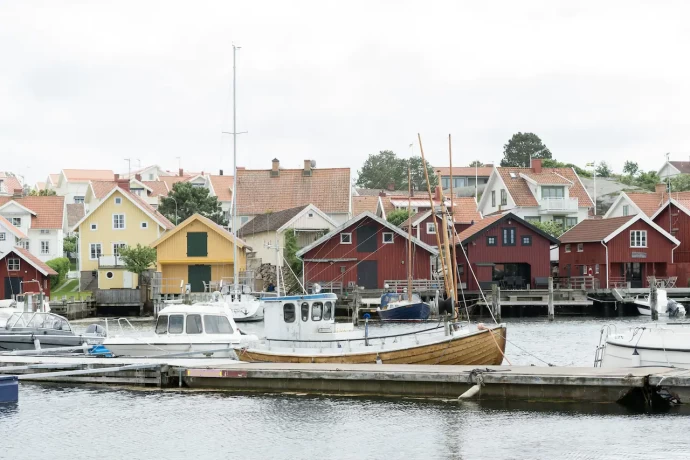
216,324
37,320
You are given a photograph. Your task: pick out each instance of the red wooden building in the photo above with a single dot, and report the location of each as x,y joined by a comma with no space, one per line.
464,213
618,249
674,217
506,250
365,251
20,271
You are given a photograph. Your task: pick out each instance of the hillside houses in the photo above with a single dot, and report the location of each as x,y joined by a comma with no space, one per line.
34,223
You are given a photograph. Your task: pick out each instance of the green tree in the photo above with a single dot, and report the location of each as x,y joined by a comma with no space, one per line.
631,168
61,266
138,259
476,163
603,170
69,244
680,183
385,170
551,227
521,147
398,216
185,200
42,193
416,166
290,252
552,163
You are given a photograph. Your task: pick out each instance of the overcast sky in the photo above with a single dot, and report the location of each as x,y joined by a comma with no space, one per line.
88,84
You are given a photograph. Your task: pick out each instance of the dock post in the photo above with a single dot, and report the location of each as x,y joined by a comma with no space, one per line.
551,307
496,302
653,298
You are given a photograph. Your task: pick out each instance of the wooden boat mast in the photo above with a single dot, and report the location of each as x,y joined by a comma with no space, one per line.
456,275
409,234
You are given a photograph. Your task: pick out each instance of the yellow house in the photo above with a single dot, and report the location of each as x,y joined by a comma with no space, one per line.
120,219
197,251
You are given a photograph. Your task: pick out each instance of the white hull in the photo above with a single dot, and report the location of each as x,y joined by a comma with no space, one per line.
655,344
133,347
246,310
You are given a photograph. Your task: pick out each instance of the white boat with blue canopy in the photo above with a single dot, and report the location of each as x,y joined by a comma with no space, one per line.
302,328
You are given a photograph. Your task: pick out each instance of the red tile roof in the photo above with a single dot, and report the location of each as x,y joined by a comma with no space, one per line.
102,188
86,175
158,188
34,261
40,186
465,210
649,203
364,203
482,171
172,180
478,227
75,212
259,192
54,178
548,178
522,195
49,209
222,187
8,225
593,230
10,182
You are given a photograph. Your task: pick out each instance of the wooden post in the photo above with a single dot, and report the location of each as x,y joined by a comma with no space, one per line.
551,307
653,298
496,302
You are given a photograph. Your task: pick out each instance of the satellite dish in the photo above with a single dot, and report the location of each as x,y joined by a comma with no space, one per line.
313,163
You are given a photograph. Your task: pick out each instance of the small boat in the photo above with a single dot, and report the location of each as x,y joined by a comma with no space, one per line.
27,330
203,329
397,307
656,344
245,305
665,306
302,329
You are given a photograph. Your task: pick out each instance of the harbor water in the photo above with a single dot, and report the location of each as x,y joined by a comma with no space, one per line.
70,422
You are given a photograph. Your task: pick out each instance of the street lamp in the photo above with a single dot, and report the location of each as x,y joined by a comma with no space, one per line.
173,198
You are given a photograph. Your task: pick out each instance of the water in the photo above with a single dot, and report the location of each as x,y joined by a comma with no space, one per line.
73,422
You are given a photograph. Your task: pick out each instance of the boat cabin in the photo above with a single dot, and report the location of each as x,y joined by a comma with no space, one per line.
20,321
390,297
178,320
306,317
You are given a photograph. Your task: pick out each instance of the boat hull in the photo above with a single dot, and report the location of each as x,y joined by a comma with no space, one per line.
247,312
622,356
416,311
484,348
26,341
130,349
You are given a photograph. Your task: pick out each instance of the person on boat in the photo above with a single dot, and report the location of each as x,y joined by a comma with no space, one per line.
271,287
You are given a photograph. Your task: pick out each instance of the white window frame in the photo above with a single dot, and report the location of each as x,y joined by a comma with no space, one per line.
45,231
349,239
144,225
392,240
94,227
124,226
118,200
638,238
626,210
580,247
98,253
116,248
430,225
45,247
567,247
3,236
17,221
10,264
596,269
78,199
25,244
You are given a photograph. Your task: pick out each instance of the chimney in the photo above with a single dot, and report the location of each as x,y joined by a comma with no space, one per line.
307,168
535,164
382,193
660,188
220,172
391,186
17,193
117,177
275,168
123,184
438,193
181,172
138,177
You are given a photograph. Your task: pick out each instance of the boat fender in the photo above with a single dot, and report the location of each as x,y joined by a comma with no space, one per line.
471,393
636,359
482,327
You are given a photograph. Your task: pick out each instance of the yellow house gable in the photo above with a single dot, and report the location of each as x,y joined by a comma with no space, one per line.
118,220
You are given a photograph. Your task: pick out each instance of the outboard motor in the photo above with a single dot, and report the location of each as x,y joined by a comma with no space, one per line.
96,329
674,309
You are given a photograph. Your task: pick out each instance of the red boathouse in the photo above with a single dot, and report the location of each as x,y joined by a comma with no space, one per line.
617,250
365,251
505,250
674,217
21,272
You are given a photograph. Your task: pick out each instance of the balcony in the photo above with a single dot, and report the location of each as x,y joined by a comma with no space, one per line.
110,262
558,205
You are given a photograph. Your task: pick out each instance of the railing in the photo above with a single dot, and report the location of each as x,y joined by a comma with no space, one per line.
576,282
417,285
617,282
167,286
558,205
110,262
326,286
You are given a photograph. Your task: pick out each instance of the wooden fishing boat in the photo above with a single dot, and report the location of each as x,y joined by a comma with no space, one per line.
302,329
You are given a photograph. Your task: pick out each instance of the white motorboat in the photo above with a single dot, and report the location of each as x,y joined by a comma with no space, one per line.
655,344
33,330
204,329
665,306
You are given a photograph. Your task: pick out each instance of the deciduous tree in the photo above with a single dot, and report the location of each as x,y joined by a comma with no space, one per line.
521,147
185,200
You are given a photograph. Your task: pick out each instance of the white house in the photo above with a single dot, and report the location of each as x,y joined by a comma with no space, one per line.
674,168
648,203
537,194
38,222
149,173
73,183
9,183
10,236
267,231
220,186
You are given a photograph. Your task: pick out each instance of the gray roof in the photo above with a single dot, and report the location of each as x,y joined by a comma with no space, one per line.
269,222
75,212
377,191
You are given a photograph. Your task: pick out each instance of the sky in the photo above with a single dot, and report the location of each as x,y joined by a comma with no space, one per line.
91,84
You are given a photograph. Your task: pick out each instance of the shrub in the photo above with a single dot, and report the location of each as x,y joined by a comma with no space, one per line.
61,266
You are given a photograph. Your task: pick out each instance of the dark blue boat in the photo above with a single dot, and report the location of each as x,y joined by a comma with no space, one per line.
396,307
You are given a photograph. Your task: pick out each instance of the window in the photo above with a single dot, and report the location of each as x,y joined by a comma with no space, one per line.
461,269
197,244
560,220
504,197
17,221
162,324
24,244
176,324
144,225
305,311
430,228
533,218
493,198
567,248
117,247
346,238
94,227
150,176
214,324
289,312
194,324
638,238
491,241
509,236
95,251
327,311
45,232
580,247
118,200
445,183
570,221
2,236
78,200
387,237
626,210
526,240
109,275
552,192
45,247
311,214
13,265
596,269
118,221
244,220
316,311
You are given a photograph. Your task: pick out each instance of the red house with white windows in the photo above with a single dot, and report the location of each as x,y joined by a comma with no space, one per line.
365,251
674,217
506,250
617,250
464,214
22,272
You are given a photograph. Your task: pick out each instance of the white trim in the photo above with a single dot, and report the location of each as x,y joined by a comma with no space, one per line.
144,225
383,237
356,219
428,232
669,175
140,182
92,225
643,217
345,242
630,239
617,201
118,200
124,221
47,242
112,246
567,248
583,188
14,202
309,208
665,205
23,257
14,230
92,244
580,247
19,267
489,187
